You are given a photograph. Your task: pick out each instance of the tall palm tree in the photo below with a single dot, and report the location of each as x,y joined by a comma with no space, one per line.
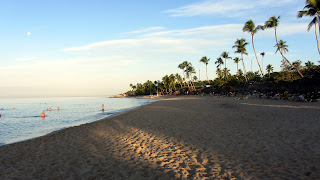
241,44
273,23
250,27
236,60
205,60
313,9
269,69
226,56
282,48
262,54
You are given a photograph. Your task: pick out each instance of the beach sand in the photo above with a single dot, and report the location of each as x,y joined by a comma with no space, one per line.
185,137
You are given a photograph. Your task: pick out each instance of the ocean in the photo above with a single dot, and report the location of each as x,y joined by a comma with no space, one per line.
20,117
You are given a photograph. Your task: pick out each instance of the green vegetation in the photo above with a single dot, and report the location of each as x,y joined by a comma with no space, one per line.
293,77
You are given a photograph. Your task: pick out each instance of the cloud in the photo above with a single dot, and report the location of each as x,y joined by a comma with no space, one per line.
146,30
193,40
229,8
25,59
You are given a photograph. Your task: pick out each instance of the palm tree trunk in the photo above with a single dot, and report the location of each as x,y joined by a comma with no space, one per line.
206,74
256,54
291,64
262,65
244,69
237,69
225,69
275,34
315,25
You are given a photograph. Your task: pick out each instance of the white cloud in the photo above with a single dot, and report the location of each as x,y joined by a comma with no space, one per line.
26,58
147,30
229,8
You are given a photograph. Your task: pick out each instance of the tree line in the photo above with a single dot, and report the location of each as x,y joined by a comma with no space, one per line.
290,71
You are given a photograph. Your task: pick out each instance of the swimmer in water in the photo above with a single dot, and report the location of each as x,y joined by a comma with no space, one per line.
49,109
43,114
58,108
102,107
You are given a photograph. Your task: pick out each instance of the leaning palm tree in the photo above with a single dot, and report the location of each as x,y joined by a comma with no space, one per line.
236,60
313,9
226,56
250,27
269,69
205,60
282,48
262,54
240,44
273,23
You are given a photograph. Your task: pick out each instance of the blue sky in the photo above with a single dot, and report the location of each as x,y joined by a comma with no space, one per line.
98,47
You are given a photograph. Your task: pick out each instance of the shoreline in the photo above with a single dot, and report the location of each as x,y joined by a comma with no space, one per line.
179,137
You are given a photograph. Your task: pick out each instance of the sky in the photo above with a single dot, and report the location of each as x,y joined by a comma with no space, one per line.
59,48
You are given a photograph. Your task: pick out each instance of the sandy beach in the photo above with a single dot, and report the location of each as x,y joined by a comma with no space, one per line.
185,137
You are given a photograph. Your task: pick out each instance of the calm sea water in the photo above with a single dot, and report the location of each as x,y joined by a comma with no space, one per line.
20,118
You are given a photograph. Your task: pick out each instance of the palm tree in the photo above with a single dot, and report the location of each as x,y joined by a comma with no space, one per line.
236,60
189,71
219,72
269,69
282,48
262,54
226,56
273,23
309,65
313,9
240,44
250,27
205,60
226,72
219,62
179,79
183,66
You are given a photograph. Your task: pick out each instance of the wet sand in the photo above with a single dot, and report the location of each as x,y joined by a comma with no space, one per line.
185,137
